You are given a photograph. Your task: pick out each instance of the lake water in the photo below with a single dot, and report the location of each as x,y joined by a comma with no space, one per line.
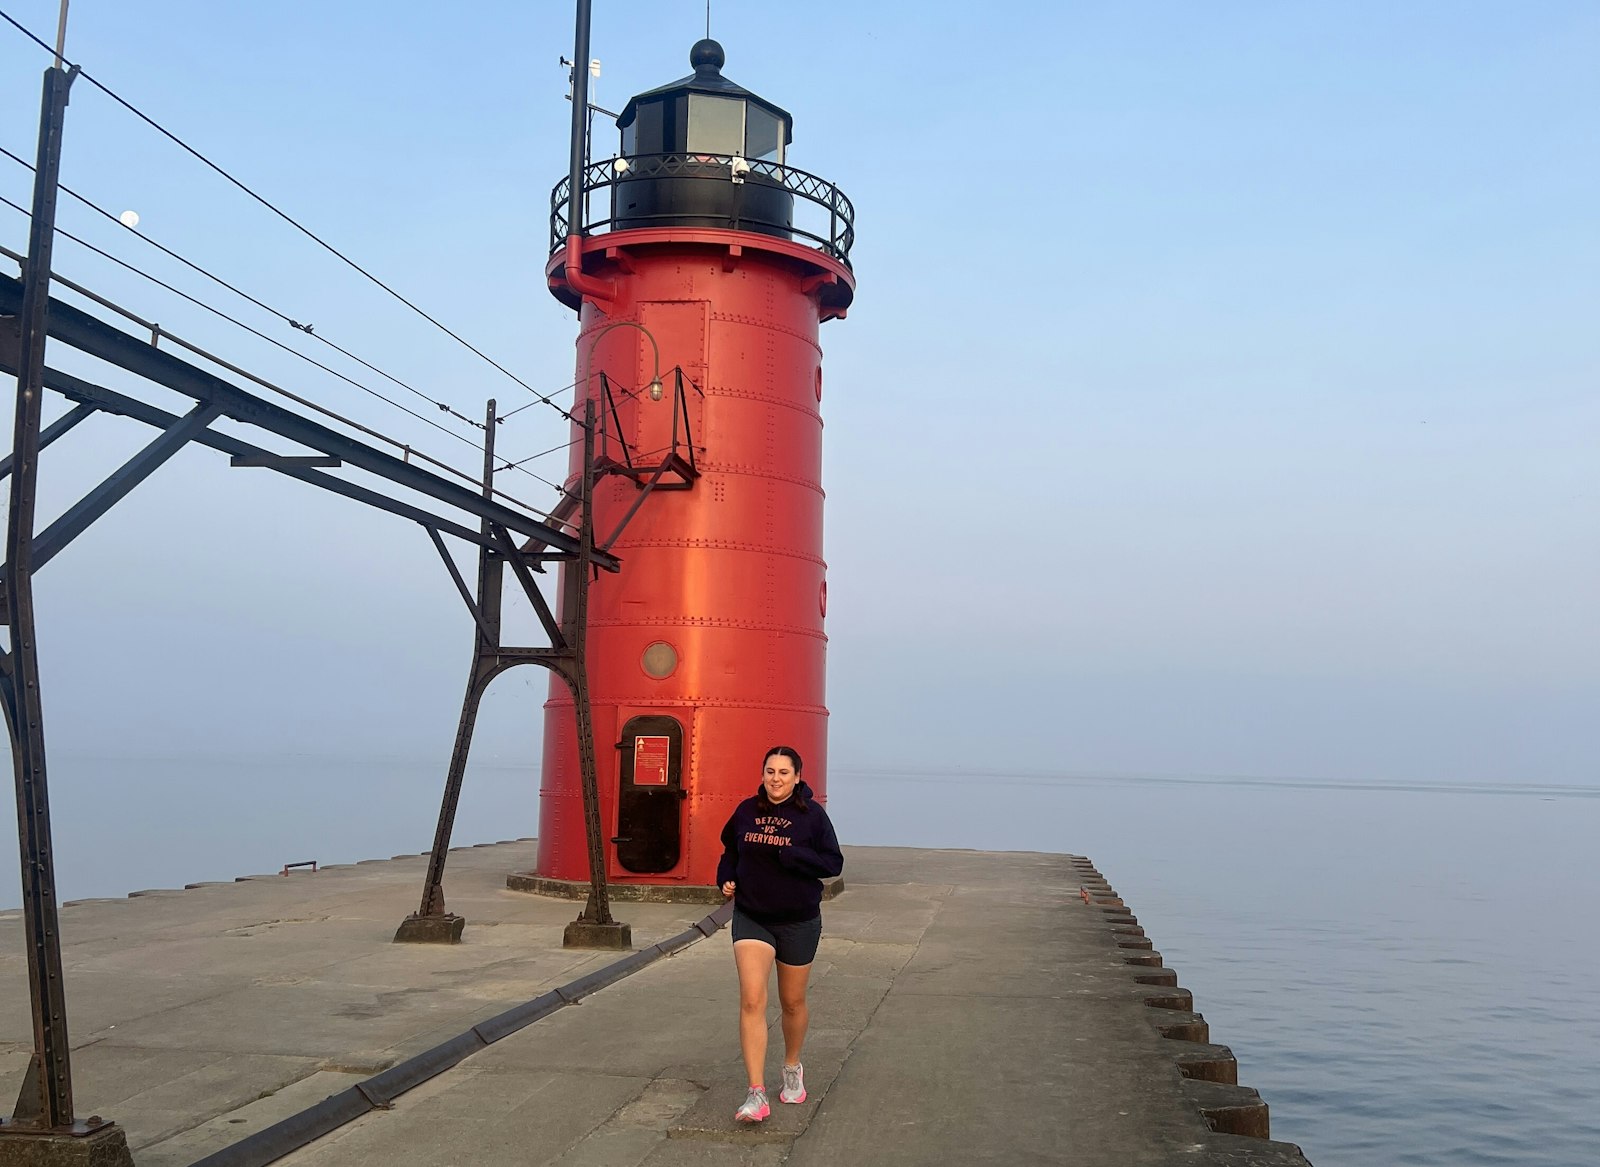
1406,974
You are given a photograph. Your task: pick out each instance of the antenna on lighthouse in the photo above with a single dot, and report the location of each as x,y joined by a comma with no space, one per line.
61,33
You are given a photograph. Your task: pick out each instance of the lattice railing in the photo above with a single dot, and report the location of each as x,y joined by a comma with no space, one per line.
824,216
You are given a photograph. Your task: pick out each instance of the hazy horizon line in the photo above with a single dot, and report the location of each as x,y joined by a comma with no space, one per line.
943,773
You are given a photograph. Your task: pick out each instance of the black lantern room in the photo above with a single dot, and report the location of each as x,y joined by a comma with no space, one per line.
703,152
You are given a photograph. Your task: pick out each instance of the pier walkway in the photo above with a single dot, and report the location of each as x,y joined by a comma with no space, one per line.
967,1008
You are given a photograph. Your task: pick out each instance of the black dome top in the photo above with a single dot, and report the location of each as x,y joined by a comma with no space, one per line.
707,56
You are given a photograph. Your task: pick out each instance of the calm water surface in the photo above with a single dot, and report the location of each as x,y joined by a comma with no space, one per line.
1407,975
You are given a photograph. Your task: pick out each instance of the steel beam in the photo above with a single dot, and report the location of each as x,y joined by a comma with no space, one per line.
114,489
461,584
519,568
51,432
99,339
110,401
278,461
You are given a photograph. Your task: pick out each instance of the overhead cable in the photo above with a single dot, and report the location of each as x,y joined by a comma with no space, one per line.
157,331
307,232
443,406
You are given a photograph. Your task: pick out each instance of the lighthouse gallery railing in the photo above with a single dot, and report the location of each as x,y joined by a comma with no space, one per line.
829,221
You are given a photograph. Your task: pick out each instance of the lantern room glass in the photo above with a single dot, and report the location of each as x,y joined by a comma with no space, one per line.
716,124
763,137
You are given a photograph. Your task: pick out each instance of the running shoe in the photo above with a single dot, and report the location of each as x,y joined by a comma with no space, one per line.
794,1084
755,1107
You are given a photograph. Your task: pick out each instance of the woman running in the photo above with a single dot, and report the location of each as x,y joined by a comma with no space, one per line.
776,850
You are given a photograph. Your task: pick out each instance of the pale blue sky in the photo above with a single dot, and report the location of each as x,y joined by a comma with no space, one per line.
1220,395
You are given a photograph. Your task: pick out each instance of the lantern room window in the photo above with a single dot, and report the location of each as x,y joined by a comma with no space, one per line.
763,135
716,124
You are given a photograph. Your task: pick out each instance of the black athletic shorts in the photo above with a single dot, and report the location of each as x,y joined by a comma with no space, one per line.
795,944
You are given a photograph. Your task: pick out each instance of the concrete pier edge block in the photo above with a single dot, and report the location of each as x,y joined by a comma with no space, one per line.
1208,1062
1237,1115
1181,1025
105,1146
1145,958
1157,976
1230,1109
1175,998
586,934
443,929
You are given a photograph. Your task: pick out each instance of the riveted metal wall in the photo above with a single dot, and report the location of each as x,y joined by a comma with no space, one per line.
728,573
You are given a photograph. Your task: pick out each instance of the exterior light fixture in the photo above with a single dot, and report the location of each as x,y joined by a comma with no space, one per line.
654,389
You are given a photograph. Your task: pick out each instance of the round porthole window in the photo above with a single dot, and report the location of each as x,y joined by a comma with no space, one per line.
659,660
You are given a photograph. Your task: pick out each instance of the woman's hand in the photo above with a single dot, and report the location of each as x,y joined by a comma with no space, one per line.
727,888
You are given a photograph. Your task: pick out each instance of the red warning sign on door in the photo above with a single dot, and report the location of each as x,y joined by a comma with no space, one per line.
650,756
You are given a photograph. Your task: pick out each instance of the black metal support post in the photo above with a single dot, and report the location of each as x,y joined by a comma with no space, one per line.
580,113
594,928
431,923
43,1118
46,1099
490,657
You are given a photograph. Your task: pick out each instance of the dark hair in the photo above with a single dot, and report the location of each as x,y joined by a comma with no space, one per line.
794,756
787,751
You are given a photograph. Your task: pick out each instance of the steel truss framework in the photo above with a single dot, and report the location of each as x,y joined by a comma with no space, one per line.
28,317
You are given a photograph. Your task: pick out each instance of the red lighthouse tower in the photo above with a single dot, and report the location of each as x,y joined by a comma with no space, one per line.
703,270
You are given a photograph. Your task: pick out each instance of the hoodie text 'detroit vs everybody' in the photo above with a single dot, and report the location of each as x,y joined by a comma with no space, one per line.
778,856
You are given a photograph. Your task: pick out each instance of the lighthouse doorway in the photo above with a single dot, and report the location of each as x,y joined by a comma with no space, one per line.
649,838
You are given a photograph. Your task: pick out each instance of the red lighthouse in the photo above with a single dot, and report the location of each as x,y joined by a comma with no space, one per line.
703,270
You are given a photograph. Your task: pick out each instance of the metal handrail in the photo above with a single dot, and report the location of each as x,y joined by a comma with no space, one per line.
840,234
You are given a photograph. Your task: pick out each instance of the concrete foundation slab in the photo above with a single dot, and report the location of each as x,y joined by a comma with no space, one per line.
106,1147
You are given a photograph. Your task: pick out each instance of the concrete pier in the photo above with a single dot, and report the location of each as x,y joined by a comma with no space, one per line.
966,1007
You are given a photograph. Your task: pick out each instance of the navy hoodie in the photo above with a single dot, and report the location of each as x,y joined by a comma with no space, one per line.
778,856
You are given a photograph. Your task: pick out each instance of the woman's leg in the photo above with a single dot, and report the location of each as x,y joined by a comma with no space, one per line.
753,959
796,1014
